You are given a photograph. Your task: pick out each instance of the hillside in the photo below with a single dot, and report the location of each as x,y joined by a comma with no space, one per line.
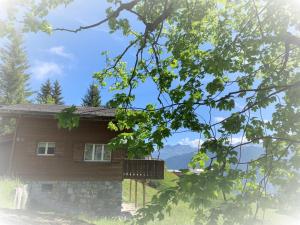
179,161
178,156
174,150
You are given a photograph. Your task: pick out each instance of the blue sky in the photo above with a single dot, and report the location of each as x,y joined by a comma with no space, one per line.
73,58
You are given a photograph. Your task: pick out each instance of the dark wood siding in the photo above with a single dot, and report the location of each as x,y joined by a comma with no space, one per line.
67,163
5,150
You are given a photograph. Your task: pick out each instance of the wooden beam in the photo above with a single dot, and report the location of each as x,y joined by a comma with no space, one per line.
144,192
13,147
130,185
135,193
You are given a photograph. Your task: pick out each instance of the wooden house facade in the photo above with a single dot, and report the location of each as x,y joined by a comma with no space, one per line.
72,170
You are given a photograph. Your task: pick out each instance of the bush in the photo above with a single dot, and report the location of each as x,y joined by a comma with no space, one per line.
7,191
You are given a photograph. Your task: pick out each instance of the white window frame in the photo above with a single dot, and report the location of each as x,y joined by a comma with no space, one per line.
93,153
46,148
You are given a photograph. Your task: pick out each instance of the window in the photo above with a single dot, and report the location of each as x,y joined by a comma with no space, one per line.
97,152
46,148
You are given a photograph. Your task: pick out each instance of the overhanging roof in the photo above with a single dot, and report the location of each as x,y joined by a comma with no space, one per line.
52,110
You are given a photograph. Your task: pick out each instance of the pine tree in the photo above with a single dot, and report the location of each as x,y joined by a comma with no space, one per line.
56,93
14,87
45,94
92,98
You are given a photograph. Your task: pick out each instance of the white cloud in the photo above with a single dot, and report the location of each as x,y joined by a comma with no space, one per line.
238,140
43,70
60,51
219,118
193,143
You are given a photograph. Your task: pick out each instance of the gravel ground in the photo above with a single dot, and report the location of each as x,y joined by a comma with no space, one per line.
30,217
21,217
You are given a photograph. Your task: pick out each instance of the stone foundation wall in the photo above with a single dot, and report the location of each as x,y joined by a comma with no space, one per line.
89,197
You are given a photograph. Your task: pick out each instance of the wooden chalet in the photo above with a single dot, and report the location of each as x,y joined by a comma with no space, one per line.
61,164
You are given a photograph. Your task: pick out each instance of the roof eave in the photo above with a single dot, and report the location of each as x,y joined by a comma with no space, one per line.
16,114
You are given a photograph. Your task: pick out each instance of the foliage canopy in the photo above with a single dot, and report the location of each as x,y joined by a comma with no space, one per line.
236,57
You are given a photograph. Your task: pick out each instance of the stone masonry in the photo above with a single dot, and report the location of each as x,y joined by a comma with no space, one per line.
98,198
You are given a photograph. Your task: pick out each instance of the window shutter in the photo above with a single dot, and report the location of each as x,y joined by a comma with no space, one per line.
31,148
59,148
78,151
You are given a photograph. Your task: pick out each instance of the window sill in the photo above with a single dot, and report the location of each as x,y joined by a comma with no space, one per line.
97,161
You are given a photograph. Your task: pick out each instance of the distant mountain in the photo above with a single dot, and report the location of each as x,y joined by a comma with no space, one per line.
178,156
179,161
174,150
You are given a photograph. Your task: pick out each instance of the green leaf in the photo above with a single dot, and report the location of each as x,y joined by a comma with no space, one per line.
67,118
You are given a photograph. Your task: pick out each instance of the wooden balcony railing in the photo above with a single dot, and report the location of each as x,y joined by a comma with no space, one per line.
143,169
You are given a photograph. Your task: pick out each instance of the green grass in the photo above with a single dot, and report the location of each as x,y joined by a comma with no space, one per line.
126,192
180,214
103,221
169,181
7,192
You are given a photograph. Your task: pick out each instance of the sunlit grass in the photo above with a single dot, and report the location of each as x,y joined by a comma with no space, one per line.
7,192
150,192
180,214
103,221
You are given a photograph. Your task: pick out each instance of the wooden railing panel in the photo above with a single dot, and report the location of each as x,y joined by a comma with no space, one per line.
143,169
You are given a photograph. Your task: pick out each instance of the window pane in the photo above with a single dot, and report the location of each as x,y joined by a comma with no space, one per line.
107,153
51,148
41,148
88,152
98,152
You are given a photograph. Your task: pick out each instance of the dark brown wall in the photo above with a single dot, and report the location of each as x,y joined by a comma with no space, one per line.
67,164
5,149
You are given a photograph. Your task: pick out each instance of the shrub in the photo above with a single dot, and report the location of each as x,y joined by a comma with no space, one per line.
7,191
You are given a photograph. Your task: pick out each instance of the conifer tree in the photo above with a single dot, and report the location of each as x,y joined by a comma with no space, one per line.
50,94
92,98
14,87
45,94
56,93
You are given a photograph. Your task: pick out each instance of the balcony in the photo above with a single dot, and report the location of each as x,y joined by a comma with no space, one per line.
143,169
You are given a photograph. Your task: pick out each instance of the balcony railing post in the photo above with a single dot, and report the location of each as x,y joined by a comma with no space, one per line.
143,169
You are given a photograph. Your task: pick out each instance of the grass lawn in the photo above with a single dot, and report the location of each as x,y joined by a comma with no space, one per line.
126,192
169,181
180,214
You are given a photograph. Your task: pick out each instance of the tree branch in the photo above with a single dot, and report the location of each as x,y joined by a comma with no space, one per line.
124,6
